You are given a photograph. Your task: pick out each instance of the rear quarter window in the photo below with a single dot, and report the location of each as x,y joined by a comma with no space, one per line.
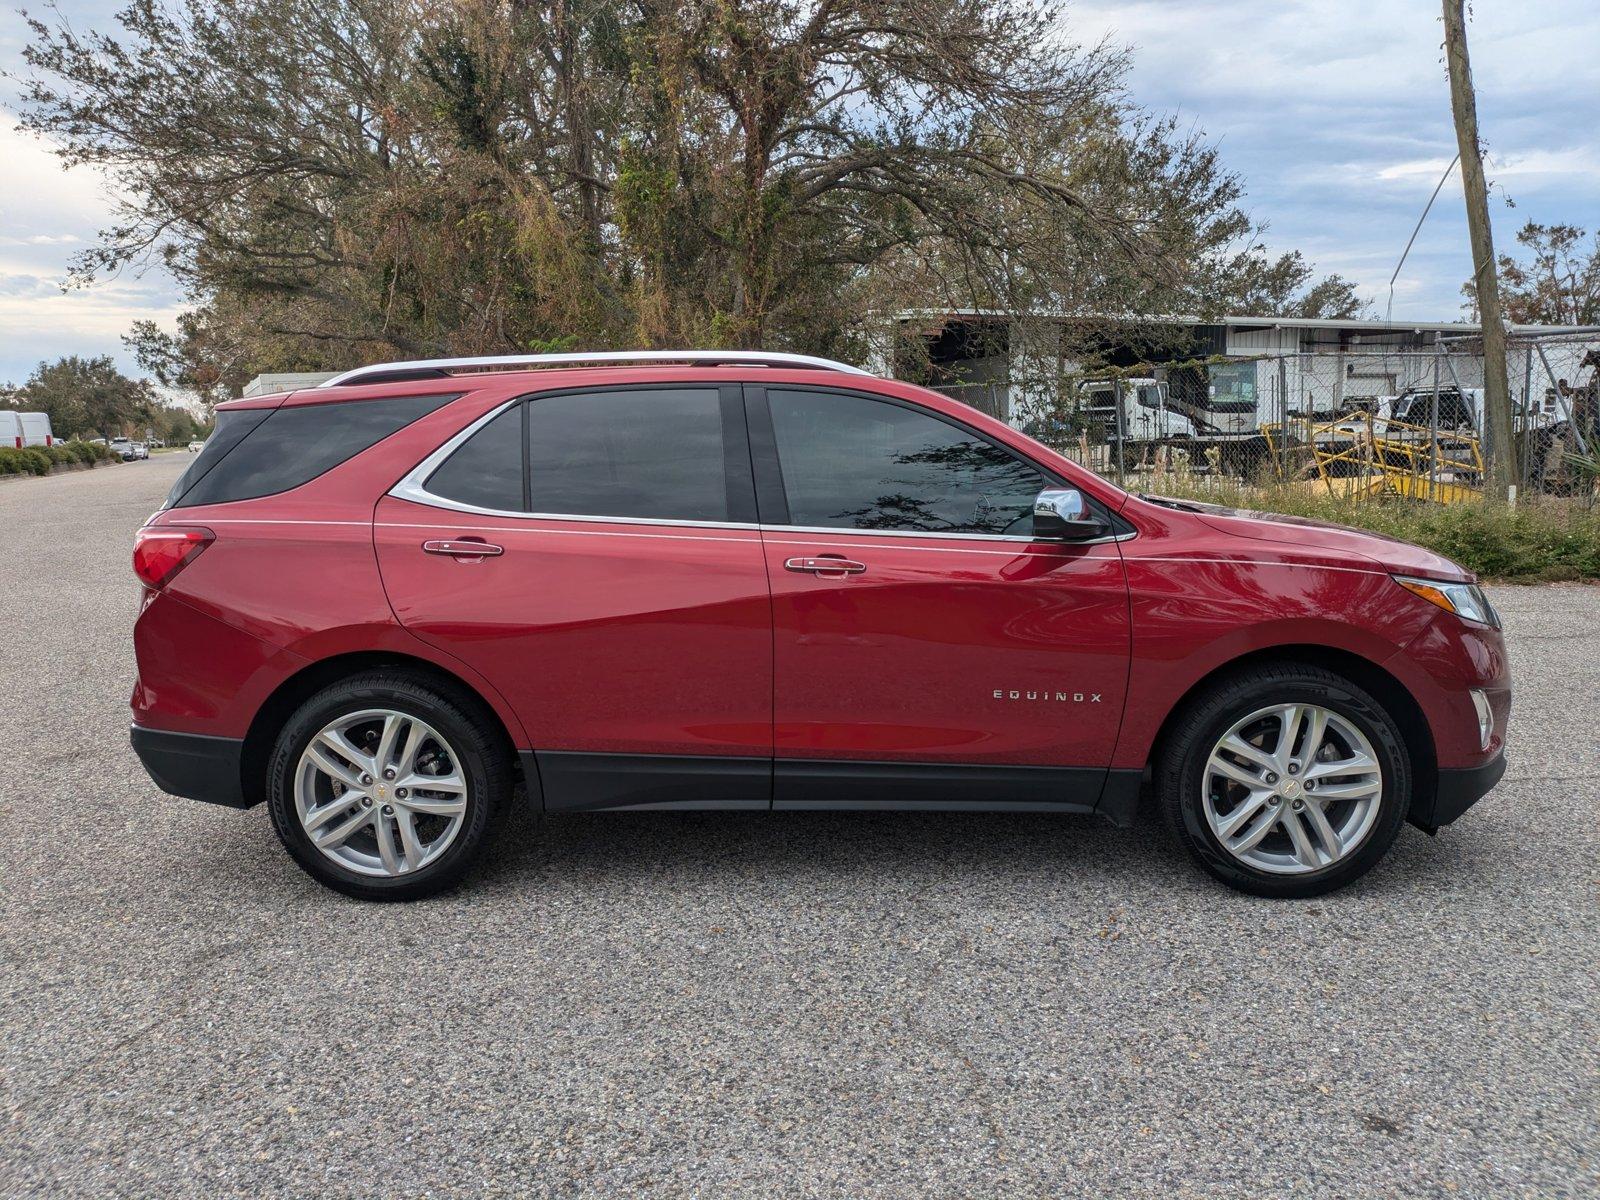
260,452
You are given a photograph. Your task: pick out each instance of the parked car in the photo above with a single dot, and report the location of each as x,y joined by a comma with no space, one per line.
123,448
196,446
759,581
140,450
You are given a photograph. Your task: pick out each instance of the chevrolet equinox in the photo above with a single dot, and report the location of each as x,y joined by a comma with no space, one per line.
763,581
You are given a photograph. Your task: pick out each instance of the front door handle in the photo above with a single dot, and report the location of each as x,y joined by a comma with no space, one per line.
825,566
467,548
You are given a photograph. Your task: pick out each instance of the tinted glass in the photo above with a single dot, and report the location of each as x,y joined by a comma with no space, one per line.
655,453
231,428
856,463
487,470
291,446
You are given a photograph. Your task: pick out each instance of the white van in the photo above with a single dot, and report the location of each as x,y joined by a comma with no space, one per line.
10,429
36,429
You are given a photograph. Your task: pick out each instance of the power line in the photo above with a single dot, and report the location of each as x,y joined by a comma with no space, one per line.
1388,314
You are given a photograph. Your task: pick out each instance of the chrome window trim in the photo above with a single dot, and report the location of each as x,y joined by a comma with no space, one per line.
407,489
412,487
853,532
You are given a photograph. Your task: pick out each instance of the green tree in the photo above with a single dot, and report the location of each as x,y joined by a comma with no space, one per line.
336,181
1255,285
86,397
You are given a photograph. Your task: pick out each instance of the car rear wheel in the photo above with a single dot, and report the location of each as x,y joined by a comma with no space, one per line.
383,786
1285,780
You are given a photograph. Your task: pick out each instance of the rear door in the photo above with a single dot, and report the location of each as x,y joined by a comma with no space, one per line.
927,650
595,555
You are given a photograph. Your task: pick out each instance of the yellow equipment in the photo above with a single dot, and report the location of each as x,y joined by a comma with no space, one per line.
1364,456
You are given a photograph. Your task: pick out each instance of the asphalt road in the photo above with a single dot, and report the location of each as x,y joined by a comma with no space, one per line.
743,1004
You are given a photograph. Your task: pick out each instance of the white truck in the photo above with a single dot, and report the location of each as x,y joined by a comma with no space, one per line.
1146,415
1411,415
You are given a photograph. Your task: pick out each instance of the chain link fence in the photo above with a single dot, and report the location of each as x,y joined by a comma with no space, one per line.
1358,425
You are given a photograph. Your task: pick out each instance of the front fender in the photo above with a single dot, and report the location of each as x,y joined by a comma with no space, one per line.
1193,617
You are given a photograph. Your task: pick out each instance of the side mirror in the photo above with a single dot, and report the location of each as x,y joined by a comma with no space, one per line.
1063,515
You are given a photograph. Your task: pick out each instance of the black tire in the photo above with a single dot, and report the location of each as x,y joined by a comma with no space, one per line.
468,727
1181,765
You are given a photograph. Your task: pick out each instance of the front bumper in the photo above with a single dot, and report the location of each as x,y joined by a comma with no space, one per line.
1457,790
192,765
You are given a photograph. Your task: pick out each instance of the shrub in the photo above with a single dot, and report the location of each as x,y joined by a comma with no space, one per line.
91,452
29,461
38,460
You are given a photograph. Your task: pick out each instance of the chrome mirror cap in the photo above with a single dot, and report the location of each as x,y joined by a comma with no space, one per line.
1063,514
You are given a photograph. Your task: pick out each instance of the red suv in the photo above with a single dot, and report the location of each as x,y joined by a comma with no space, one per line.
741,581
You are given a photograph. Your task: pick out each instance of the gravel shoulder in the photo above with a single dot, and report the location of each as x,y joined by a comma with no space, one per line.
661,1005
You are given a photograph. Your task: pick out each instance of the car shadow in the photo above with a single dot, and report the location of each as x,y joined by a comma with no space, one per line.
644,845
915,852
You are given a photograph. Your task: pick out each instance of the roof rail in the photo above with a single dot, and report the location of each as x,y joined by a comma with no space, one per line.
436,368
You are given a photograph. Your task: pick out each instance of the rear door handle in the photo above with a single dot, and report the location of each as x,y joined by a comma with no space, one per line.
464,548
825,565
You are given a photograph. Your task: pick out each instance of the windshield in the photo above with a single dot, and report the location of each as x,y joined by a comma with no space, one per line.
1232,388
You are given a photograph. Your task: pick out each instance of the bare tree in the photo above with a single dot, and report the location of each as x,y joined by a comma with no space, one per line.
1555,282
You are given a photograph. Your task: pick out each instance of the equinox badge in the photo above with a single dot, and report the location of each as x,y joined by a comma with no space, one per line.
1063,697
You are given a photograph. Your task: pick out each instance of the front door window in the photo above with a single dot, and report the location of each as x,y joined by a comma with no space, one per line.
850,462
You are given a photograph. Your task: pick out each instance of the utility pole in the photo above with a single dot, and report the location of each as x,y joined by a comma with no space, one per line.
1486,282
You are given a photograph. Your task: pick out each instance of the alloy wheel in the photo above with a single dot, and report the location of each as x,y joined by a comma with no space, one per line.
380,792
1292,789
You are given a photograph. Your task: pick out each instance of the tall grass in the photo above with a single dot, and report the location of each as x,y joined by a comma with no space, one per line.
1542,540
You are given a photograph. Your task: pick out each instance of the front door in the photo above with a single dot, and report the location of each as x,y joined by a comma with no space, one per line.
619,601
927,651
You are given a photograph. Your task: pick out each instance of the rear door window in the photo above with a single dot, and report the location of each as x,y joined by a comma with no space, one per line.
273,450
655,454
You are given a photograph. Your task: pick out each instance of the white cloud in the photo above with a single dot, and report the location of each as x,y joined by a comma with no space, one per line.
1337,115
1579,162
41,200
47,215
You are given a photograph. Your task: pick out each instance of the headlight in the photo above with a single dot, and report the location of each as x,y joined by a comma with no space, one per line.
1466,600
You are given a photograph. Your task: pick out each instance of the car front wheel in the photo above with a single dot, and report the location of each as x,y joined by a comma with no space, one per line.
1285,780
383,786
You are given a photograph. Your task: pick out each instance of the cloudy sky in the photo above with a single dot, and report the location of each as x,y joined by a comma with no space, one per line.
1335,112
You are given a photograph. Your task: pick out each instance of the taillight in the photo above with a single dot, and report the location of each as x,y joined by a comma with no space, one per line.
161,551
